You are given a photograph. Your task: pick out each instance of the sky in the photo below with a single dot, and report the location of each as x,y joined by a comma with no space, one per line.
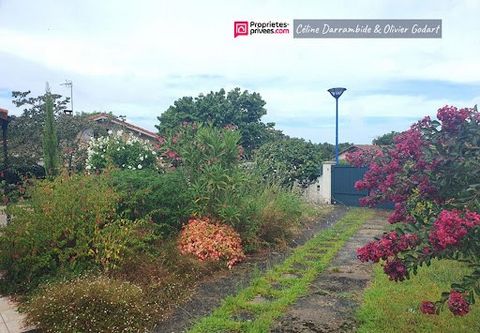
135,58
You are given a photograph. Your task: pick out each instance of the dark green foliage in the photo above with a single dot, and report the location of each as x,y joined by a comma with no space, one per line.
25,131
459,176
220,109
291,160
210,160
385,139
14,182
50,141
163,198
68,226
227,190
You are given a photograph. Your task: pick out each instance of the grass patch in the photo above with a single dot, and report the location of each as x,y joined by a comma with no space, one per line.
283,284
393,307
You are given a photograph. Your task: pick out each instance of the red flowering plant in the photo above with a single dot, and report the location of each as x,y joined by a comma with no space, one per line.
211,241
432,175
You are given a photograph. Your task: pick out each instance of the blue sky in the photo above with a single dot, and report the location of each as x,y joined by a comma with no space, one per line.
137,58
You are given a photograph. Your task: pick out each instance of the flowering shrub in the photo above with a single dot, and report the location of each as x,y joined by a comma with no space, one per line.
428,307
450,228
363,156
126,153
89,305
210,241
457,304
431,174
389,245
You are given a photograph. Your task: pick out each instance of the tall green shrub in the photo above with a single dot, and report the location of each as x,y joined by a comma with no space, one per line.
68,226
50,141
210,160
290,160
163,198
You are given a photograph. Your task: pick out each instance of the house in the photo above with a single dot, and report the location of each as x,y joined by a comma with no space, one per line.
114,124
3,114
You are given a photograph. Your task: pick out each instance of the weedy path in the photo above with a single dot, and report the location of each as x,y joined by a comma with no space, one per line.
335,295
256,308
210,293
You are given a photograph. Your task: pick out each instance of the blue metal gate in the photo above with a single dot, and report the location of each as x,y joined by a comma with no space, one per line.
343,184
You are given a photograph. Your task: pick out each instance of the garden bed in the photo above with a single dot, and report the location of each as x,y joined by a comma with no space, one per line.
210,292
268,295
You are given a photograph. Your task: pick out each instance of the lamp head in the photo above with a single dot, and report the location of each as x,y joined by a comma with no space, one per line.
336,92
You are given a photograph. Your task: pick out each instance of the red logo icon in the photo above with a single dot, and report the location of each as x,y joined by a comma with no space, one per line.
240,28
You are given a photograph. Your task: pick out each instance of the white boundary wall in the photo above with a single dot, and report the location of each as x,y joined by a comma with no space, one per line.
320,192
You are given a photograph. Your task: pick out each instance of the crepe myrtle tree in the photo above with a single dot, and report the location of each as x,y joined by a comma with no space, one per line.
432,175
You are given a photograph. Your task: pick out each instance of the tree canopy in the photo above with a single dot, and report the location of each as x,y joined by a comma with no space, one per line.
385,139
25,132
291,160
242,110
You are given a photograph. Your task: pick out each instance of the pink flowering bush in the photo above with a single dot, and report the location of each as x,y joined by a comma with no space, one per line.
457,304
432,175
428,307
211,241
450,228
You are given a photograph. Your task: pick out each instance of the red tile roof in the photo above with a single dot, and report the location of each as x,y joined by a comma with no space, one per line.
132,127
4,114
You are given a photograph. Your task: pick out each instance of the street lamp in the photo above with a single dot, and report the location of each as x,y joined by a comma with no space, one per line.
336,93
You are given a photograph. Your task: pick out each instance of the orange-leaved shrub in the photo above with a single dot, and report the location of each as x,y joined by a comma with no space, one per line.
211,241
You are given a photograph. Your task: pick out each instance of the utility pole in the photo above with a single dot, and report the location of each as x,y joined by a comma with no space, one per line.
69,83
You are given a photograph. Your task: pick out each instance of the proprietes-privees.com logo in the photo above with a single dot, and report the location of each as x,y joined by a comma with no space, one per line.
245,28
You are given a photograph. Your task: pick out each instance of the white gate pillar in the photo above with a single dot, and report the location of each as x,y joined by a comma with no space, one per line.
326,187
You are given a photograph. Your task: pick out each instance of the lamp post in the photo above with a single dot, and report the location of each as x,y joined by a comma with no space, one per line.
336,93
